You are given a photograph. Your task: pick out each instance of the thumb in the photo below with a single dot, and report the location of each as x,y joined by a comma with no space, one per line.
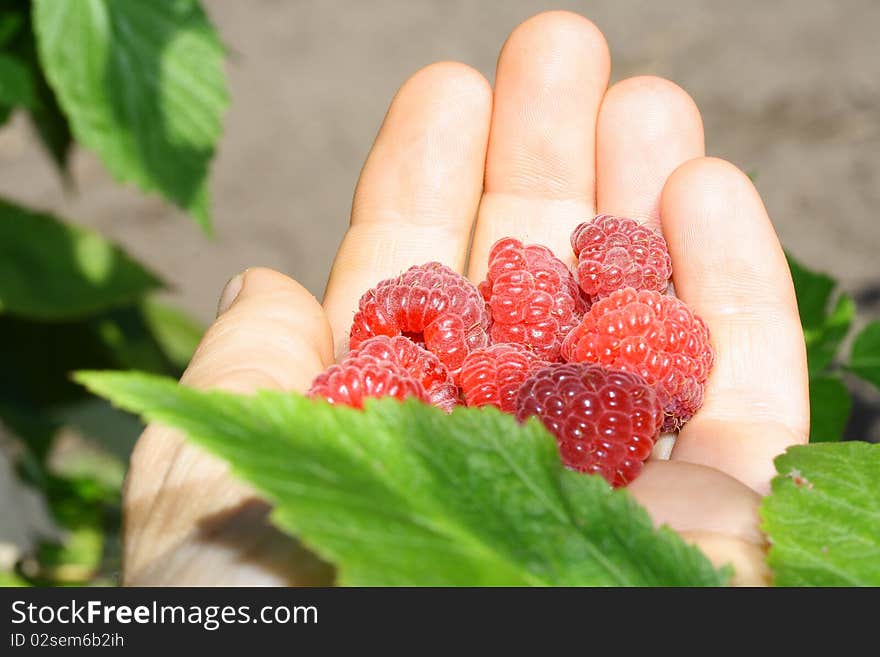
186,520
270,332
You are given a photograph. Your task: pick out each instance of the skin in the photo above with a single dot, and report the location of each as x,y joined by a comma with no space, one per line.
551,146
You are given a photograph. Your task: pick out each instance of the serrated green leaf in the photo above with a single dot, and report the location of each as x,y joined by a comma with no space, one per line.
402,494
50,270
16,85
823,516
864,360
142,84
830,404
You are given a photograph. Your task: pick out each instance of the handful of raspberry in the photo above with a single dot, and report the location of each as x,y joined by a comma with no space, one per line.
605,359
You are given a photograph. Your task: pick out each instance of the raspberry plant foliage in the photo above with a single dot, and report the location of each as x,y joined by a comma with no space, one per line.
52,271
827,316
822,517
150,95
404,494
141,84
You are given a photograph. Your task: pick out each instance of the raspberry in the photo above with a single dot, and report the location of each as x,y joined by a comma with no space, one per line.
420,364
616,252
362,376
605,421
533,297
492,376
430,304
653,335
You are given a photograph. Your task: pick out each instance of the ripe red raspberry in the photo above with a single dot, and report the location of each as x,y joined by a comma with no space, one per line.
605,421
655,336
492,376
533,297
616,252
420,364
359,377
430,304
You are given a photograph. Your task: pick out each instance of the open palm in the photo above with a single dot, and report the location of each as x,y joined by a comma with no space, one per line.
455,167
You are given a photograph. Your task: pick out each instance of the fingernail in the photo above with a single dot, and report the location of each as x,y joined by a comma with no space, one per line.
230,293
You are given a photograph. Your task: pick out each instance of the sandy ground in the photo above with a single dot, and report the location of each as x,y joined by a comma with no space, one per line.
789,90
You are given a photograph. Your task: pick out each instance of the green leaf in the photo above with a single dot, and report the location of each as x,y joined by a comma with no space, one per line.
864,360
823,342
11,23
50,270
830,404
143,86
10,579
34,427
823,516
83,507
36,392
37,395
402,494
813,290
837,325
16,85
35,373
34,376
823,331
177,333
73,561
52,126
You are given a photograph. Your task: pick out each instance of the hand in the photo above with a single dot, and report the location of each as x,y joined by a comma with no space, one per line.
551,148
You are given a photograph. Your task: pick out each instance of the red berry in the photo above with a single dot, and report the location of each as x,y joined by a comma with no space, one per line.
617,252
656,336
492,376
605,421
430,304
419,363
355,379
533,297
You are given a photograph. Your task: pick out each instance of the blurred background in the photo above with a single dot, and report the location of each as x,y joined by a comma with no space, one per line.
789,91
